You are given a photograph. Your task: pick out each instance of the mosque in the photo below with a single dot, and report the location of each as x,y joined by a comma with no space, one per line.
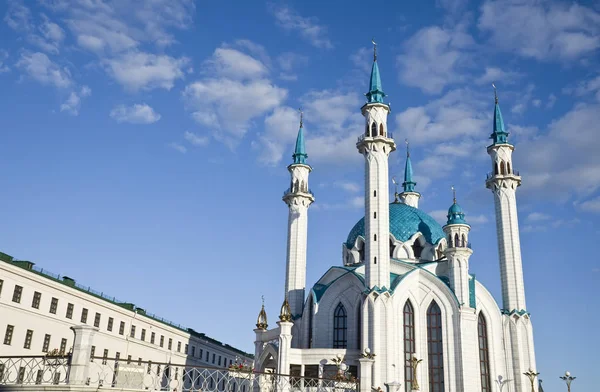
402,310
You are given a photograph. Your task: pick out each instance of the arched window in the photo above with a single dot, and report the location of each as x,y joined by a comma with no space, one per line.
456,241
374,237
450,243
502,168
367,130
435,350
340,323
417,249
409,344
484,355
374,193
380,129
496,170
507,167
464,241
374,129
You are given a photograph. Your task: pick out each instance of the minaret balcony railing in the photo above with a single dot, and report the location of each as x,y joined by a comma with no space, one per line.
288,191
491,175
362,137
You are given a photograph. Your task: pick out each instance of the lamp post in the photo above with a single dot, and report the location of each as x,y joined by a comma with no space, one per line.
531,374
567,378
501,382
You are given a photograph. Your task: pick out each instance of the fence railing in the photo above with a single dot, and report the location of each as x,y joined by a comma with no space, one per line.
47,369
362,137
154,376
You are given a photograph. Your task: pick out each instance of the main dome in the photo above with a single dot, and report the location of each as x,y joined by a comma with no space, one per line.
405,221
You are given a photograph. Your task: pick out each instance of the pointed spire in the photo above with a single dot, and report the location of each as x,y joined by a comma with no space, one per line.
499,135
261,322
408,184
300,150
375,94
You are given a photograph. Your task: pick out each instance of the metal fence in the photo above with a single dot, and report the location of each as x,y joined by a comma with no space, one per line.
48,369
153,376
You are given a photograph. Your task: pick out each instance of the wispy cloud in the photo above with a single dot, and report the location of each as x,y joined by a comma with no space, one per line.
39,67
73,102
134,114
309,28
178,147
195,139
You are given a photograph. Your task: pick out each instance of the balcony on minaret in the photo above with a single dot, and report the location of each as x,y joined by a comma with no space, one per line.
297,190
362,137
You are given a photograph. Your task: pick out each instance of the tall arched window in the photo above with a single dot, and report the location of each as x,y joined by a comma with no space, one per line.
340,327
409,344
464,241
435,350
484,355
456,241
507,167
380,129
502,168
374,129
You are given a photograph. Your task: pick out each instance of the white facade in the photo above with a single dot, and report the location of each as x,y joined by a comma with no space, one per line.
37,311
403,291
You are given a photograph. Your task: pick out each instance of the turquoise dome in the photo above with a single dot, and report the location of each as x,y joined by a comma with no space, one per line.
405,221
456,215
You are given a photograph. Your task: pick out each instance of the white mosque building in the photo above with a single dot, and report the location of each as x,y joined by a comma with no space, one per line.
402,309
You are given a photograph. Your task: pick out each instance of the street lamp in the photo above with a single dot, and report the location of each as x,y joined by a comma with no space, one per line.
531,375
501,382
567,378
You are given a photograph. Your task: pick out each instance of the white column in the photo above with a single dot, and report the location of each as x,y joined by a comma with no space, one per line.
298,199
82,350
285,344
365,375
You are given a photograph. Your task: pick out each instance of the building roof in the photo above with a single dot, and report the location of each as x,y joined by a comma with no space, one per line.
300,150
456,215
405,221
67,281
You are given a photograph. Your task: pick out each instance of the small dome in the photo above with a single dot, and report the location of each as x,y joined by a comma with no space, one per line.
456,215
405,221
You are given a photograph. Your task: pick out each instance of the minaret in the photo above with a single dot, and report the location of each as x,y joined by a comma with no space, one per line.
298,198
409,196
376,144
458,252
503,181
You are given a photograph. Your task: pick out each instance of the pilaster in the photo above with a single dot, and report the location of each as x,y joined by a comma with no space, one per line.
82,350
285,344
365,374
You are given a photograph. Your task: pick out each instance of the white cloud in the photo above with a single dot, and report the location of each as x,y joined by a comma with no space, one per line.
73,103
18,17
551,101
309,28
287,62
476,219
231,63
3,57
178,147
495,74
434,58
592,205
542,30
281,129
351,187
441,216
536,103
39,67
537,216
585,87
363,59
195,139
145,71
135,114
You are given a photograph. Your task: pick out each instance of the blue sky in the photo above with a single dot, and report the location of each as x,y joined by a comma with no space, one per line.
144,150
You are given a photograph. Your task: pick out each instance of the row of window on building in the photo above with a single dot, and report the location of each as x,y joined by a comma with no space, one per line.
9,333
37,297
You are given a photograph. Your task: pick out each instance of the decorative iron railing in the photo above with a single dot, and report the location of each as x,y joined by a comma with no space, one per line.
289,190
153,376
32,370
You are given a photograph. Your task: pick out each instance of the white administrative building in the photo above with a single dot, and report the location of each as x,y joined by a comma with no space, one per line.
402,310
38,309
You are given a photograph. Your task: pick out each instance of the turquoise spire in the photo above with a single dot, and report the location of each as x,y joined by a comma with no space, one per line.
300,150
499,136
456,216
408,184
375,94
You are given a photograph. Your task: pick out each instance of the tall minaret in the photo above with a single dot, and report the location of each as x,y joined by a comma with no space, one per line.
503,181
376,144
409,196
298,198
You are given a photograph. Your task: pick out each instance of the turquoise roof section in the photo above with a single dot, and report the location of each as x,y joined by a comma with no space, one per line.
472,300
499,136
405,221
375,94
456,216
300,150
408,184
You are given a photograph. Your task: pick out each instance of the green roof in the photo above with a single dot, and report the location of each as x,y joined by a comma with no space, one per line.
67,281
